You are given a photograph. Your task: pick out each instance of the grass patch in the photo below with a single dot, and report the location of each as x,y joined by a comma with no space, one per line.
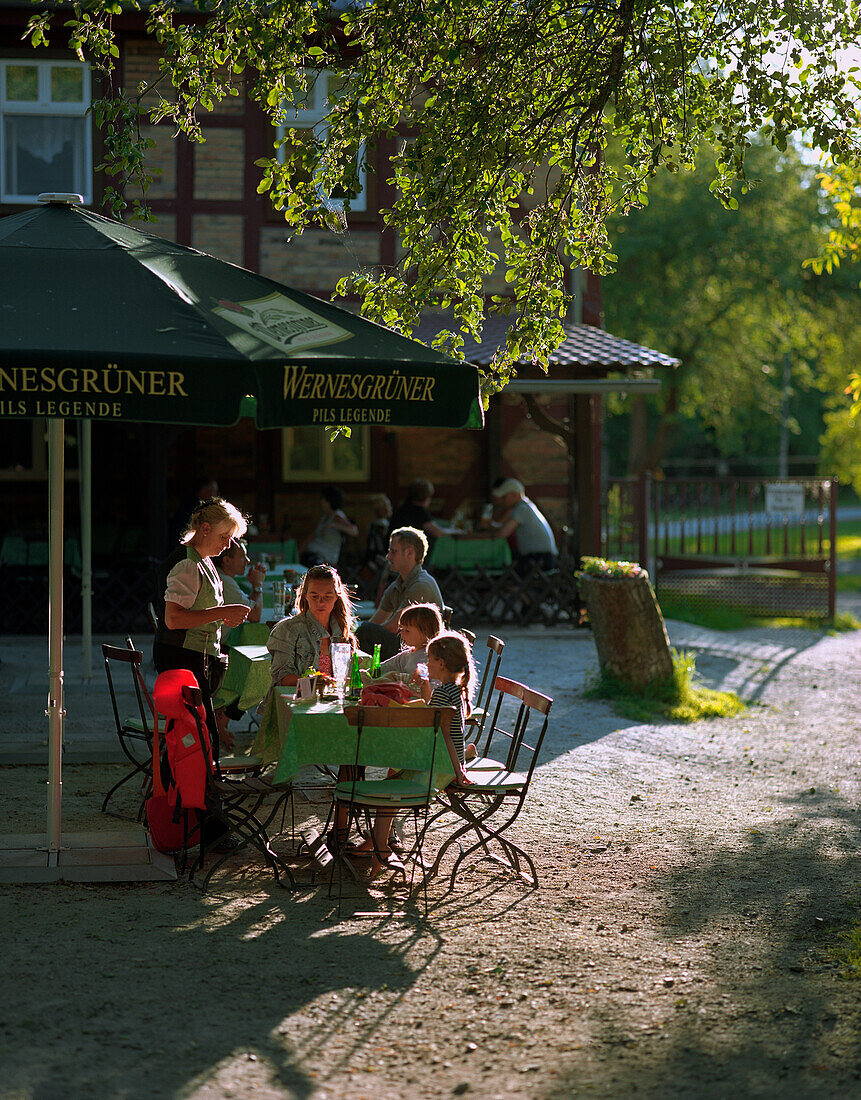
842,622
713,616
679,699
719,617
847,953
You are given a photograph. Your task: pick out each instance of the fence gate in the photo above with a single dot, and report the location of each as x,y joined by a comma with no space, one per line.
763,545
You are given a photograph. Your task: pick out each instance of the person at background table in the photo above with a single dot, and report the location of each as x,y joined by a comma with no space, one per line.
413,584
323,545
414,513
534,541
375,566
232,564
450,665
323,615
189,631
377,542
419,623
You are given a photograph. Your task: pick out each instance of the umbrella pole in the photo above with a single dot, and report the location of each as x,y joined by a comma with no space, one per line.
55,713
86,471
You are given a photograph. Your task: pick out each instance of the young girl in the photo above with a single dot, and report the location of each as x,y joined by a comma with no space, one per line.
418,624
323,615
449,661
450,664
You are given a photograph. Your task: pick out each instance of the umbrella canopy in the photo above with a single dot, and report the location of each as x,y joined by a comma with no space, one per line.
99,321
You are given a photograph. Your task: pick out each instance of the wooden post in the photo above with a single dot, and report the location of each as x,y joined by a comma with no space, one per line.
628,628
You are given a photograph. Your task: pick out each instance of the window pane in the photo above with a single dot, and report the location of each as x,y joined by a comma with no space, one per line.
22,83
67,84
304,448
307,454
43,153
347,456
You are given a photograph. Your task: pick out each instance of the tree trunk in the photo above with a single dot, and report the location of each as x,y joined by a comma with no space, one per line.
628,628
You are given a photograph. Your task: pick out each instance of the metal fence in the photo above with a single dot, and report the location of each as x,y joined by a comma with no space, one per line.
763,545
120,597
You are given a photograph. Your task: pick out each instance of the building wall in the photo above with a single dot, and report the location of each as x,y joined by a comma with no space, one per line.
204,195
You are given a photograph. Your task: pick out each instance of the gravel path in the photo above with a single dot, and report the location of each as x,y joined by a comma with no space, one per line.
693,879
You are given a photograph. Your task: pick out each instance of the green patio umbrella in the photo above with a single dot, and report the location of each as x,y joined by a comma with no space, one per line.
99,321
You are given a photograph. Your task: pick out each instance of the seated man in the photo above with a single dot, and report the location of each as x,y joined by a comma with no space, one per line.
414,512
534,541
413,584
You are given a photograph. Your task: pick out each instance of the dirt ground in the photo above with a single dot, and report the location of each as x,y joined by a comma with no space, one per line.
693,879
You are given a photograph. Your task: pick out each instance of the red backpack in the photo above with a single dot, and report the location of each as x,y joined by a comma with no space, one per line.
190,762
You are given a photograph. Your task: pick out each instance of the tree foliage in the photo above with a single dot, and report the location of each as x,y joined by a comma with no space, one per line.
728,293
504,108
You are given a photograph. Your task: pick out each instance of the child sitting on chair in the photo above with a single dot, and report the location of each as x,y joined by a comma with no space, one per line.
449,662
418,624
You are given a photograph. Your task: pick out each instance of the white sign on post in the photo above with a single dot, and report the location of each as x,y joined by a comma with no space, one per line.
785,499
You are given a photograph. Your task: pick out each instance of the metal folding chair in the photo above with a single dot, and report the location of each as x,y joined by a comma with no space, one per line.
413,738
133,733
478,715
492,802
234,804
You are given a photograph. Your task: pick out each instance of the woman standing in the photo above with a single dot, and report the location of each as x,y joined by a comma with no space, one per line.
189,632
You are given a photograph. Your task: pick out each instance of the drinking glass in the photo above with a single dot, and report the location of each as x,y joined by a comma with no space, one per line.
341,653
279,599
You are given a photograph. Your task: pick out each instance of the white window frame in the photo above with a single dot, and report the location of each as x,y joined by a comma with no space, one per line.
328,470
315,116
44,106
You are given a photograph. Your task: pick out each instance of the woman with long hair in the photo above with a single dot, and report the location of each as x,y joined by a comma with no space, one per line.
324,614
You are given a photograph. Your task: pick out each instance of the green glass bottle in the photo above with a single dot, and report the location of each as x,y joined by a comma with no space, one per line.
375,662
355,689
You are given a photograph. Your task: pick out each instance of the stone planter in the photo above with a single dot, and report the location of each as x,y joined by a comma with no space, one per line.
628,628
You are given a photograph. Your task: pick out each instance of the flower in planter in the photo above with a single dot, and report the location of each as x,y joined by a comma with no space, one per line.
611,570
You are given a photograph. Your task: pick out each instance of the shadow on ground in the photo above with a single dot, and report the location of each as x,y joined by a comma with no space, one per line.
751,1001
213,982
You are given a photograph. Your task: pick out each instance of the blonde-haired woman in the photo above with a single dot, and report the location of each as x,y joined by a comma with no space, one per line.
189,632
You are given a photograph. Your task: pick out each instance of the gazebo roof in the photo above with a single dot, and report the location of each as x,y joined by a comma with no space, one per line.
585,349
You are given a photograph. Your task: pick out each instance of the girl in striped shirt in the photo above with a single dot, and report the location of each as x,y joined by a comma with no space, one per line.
450,663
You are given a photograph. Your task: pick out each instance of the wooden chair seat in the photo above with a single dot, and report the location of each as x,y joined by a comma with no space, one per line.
231,764
495,779
383,792
484,764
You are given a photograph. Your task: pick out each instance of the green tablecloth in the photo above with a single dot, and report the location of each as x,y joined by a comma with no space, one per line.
247,679
248,634
282,549
299,734
469,554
